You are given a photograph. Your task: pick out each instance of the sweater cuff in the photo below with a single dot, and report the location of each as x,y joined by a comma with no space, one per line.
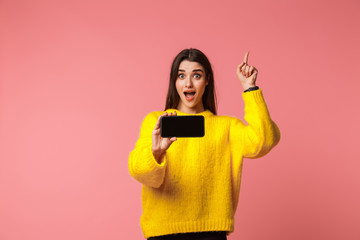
152,163
253,97
155,172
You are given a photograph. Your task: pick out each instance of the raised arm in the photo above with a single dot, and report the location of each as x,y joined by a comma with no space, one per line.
261,134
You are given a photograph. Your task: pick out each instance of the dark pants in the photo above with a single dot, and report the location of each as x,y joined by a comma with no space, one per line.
193,236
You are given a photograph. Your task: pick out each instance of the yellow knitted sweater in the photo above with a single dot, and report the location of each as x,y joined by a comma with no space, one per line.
197,185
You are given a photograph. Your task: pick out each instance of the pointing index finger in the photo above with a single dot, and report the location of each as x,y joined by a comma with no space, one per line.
246,57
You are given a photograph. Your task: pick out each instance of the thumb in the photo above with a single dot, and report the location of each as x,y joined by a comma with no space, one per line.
238,69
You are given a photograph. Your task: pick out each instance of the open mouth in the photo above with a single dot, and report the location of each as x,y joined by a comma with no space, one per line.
189,95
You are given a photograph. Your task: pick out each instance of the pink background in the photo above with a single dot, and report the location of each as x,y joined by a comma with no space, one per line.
78,77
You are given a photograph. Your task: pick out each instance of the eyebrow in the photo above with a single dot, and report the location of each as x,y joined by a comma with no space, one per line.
195,70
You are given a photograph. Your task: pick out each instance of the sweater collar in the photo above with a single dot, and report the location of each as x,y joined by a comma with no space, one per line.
206,113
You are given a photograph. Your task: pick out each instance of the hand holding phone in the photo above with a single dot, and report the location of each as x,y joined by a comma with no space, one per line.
159,143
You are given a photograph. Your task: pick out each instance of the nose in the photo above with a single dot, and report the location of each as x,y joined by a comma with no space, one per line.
188,82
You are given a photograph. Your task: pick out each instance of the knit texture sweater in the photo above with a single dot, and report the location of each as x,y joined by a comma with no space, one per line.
196,186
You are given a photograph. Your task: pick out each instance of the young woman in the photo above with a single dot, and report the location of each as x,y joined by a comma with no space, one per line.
191,185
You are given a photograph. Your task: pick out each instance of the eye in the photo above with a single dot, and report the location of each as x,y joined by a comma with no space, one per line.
181,76
197,76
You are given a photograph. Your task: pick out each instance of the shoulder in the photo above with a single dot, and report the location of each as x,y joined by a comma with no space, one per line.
150,119
152,116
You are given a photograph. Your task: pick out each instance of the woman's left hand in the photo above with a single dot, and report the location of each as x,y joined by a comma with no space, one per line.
246,74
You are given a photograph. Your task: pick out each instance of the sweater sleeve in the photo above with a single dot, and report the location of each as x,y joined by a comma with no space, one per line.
261,134
142,164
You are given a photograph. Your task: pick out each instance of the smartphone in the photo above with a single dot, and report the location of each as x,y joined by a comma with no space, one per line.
182,126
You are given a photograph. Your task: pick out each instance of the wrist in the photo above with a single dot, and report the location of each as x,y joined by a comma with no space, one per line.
158,155
251,88
248,85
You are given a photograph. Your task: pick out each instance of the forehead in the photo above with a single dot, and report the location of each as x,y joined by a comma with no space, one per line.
189,65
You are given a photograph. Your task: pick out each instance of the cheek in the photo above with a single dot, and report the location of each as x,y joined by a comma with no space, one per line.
201,86
178,87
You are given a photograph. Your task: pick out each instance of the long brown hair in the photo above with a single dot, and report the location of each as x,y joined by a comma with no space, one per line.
209,96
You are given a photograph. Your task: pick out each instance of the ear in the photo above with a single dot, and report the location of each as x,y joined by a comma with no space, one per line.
207,81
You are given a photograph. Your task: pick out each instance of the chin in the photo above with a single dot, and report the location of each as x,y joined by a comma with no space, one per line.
193,106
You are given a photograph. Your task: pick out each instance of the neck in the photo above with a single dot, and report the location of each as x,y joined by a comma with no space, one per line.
197,109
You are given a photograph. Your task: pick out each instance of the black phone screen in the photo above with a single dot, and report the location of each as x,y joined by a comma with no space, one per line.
182,126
